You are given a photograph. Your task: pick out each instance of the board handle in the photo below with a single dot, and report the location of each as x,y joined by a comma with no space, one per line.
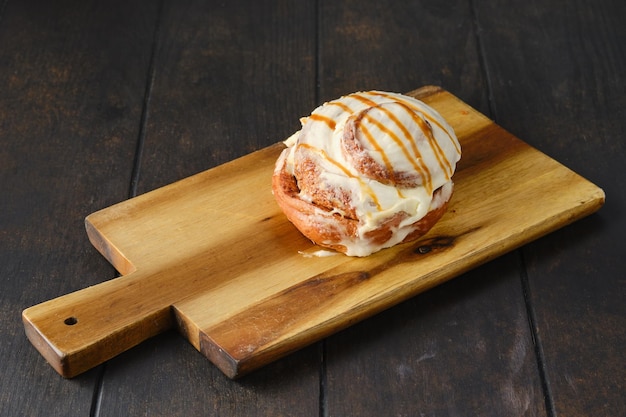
83,329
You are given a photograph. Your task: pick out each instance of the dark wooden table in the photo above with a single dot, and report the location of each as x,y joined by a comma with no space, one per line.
102,101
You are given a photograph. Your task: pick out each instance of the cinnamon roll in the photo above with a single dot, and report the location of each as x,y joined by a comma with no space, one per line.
367,171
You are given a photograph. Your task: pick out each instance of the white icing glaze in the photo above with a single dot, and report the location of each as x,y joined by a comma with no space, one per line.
396,131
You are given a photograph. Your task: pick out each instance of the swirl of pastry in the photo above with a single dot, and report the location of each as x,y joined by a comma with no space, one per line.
367,171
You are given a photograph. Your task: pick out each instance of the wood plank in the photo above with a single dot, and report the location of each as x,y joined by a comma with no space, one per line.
462,348
72,77
373,45
226,85
231,78
428,356
577,59
175,238
165,376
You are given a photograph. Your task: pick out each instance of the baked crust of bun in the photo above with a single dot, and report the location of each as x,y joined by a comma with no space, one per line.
330,229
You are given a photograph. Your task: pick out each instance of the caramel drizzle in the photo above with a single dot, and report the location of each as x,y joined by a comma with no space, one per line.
341,105
427,130
346,171
445,165
371,138
364,100
321,118
386,161
443,162
415,160
420,110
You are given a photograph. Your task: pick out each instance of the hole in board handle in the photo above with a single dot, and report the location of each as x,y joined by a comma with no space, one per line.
70,321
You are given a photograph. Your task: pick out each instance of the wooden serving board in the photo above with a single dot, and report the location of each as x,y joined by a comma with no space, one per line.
214,256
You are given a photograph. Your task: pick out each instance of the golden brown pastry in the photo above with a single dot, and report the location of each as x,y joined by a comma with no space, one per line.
367,171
